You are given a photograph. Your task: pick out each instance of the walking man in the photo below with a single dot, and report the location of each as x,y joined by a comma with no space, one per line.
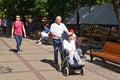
56,30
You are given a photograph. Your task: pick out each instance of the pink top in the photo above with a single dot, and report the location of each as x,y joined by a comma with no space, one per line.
17,27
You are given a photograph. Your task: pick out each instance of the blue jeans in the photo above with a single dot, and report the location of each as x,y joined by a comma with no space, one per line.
18,39
57,46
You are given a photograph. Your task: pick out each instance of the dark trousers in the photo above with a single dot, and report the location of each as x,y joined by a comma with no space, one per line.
4,29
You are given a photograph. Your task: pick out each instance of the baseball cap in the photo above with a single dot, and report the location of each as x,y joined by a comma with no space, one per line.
72,30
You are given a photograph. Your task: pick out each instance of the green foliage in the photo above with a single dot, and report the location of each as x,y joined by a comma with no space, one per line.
49,8
14,7
40,7
61,7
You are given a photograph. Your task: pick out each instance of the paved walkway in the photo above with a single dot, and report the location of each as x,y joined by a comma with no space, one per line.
35,63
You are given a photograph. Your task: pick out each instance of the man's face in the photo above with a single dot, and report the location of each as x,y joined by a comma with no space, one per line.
58,20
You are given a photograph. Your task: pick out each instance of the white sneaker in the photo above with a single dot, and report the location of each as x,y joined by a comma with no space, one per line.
81,64
18,52
39,43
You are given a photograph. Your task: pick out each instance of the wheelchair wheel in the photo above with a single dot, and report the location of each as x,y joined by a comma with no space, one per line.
59,67
82,71
66,71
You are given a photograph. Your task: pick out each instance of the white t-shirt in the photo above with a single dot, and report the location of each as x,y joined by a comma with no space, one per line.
58,29
69,45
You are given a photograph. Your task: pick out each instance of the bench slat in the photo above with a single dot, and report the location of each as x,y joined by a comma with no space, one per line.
111,47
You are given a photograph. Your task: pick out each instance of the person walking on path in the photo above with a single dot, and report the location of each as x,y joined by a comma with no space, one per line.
56,31
4,25
17,28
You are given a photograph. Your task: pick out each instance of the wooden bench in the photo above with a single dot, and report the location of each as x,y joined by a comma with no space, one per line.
110,52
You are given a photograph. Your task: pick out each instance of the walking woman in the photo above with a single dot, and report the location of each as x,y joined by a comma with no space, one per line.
17,28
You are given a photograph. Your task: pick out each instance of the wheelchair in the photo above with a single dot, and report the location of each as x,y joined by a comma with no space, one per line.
66,67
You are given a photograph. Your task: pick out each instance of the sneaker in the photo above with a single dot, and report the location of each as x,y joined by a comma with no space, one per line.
18,52
81,64
39,43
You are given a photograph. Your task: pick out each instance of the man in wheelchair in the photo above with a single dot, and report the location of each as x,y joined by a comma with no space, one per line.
70,47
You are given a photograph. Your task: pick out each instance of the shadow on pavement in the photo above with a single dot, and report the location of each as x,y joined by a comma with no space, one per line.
107,65
13,50
50,62
4,69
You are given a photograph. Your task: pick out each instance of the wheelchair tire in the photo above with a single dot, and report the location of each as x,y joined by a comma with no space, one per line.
82,71
59,67
66,71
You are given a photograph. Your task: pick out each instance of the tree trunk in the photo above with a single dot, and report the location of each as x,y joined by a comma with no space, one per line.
116,4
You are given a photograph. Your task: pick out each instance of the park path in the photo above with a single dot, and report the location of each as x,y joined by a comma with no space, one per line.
36,63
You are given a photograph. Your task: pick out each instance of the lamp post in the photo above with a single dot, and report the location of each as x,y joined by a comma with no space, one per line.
78,17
